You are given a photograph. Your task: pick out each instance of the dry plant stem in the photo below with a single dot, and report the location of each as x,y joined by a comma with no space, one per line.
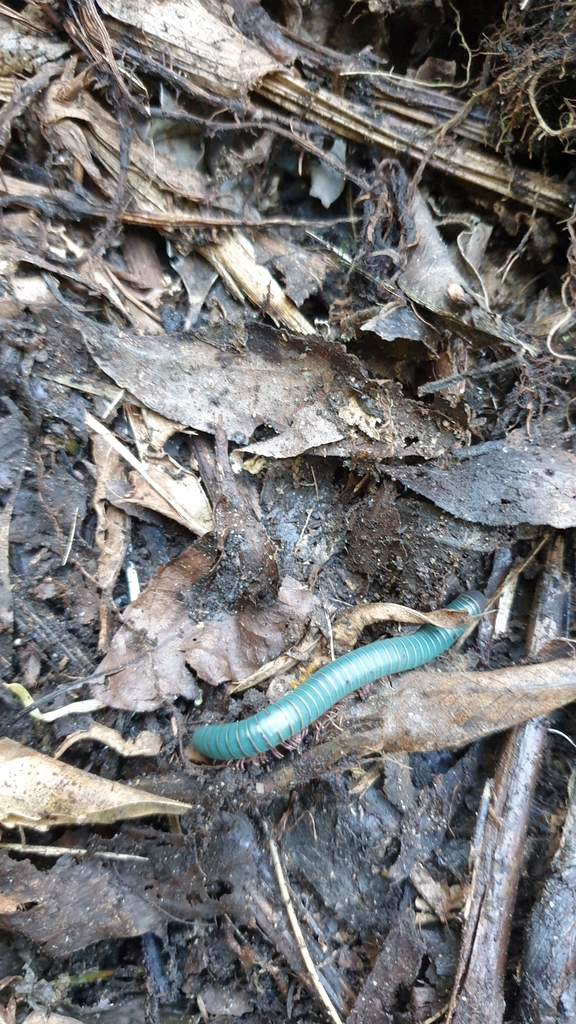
231,258
514,573
478,994
399,137
483,371
501,565
73,851
16,190
308,962
283,663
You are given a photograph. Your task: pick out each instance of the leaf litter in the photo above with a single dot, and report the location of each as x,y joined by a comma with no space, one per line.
287,363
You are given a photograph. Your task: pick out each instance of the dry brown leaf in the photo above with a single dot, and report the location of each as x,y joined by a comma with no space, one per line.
146,744
151,430
182,500
183,492
228,648
145,665
293,385
233,646
38,792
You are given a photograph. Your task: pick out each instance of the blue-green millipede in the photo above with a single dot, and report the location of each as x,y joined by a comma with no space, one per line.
298,709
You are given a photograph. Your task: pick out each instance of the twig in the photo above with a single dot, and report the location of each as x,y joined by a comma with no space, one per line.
304,528
512,575
499,845
308,962
481,371
59,851
330,635
66,554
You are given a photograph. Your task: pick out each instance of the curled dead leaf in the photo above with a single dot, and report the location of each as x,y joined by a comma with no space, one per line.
348,627
146,744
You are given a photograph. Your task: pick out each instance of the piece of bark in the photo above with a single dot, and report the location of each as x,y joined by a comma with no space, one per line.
478,996
499,844
397,965
548,986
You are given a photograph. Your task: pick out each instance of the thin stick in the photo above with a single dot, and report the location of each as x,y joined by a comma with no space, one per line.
66,554
59,851
308,962
512,575
482,371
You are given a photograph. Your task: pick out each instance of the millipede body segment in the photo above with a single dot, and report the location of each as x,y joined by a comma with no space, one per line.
298,709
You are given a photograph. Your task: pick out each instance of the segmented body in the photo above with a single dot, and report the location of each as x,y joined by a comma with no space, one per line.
295,711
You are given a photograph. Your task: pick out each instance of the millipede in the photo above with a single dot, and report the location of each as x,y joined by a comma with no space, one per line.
295,711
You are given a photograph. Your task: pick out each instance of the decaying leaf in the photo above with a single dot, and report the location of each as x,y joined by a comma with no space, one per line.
433,710
73,905
38,792
500,483
197,277
146,665
181,499
234,646
447,284
227,648
350,624
276,380
82,127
